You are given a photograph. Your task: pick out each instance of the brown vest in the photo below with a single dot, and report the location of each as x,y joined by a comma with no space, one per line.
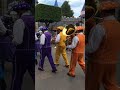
80,45
109,48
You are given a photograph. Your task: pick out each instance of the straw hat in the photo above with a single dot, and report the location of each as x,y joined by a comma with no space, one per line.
21,6
60,28
108,5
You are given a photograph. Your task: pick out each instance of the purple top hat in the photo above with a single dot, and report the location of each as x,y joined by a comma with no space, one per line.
21,6
44,28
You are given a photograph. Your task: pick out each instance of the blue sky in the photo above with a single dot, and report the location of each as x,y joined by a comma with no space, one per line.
76,5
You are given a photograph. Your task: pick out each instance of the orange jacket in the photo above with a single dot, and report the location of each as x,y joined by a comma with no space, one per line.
110,45
80,45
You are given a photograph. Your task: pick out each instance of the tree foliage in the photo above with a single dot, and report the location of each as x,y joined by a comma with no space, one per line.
46,13
66,9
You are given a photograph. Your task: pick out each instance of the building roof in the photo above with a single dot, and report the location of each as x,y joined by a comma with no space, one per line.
83,11
56,3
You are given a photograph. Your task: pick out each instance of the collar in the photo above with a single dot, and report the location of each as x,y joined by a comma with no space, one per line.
81,33
111,17
26,13
46,31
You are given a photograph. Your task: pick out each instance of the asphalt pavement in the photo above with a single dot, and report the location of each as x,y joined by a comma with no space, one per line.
46,80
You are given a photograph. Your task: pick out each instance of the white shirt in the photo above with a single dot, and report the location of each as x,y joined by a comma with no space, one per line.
75,41
57,38
2,28
18,30
42,39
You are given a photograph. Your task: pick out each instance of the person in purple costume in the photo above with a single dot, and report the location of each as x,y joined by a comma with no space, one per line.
24,40
45,41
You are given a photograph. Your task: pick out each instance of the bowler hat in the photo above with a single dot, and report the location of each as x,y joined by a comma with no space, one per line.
108,5
21,6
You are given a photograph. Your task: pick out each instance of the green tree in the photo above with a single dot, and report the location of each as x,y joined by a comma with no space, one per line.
66,9
47,14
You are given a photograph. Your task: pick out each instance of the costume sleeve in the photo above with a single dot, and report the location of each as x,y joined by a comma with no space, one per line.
95,38
18,31
42,39
36,38
2,28
75,40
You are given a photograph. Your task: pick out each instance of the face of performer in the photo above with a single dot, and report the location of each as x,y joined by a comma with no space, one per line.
73,34
79,31
43,31
58,31
20,12
14,16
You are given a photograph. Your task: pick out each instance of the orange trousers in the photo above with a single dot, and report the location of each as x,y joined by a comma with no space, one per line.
76,57
97,74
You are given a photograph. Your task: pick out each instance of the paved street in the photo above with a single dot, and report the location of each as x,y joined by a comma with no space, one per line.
46,80
27,81
60,81
49,81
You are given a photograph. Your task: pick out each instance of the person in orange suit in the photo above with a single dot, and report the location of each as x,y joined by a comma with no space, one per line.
61,47
77,55
102,50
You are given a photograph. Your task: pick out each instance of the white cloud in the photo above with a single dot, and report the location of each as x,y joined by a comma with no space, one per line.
42,1
76,5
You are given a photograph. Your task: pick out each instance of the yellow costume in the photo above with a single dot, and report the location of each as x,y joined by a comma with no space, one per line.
61,49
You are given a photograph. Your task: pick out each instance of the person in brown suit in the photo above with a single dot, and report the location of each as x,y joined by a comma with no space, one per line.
102,50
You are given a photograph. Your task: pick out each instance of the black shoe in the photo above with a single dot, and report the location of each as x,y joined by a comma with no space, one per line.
41,69
67,66
54,71
70,75
56,64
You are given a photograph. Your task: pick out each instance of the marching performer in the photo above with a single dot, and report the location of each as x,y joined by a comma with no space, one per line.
45,41
77,55
102,49
23,32
61,47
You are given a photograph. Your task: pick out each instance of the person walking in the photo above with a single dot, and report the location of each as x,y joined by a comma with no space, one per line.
77,55
102,50
45,41
24,40
61,47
